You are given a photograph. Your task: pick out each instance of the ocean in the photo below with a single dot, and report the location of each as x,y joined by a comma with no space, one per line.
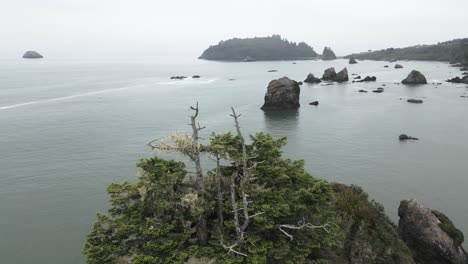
70,127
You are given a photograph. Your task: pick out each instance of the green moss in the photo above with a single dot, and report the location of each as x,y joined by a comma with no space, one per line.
449,228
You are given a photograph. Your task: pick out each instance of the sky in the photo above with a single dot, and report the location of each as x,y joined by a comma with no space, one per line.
188,26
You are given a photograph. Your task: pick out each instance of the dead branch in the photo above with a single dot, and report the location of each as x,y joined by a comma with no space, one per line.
301,225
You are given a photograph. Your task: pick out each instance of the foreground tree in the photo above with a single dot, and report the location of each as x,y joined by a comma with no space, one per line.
253,207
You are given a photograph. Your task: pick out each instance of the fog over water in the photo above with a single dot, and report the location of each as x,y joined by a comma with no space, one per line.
121,27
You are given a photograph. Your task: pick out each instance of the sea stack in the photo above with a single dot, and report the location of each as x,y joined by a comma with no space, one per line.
328,54
352,61
415,77
32,55
282,94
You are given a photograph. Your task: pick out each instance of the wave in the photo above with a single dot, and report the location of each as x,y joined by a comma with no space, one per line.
61,98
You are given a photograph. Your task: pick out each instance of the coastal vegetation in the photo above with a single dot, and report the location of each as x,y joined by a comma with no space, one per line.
252,206
259,48
454,51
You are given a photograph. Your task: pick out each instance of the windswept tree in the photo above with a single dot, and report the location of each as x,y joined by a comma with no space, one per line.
253,207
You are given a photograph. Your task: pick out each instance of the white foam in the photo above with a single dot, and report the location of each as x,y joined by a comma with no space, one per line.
61,98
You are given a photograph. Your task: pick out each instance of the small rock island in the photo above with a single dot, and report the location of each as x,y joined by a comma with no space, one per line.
259,49
282,94
32,55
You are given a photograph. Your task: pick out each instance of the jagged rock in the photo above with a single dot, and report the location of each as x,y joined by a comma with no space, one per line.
430,235
369,79
342,76
459,80
32,55
328,54
415,101
312,79
329,74
282,94
352,61
415,77
404,137
314,103
196,76
398,66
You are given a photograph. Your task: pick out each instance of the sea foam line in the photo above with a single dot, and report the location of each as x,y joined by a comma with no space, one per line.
60,98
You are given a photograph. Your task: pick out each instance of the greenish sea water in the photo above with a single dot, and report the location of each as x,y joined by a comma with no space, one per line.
68,128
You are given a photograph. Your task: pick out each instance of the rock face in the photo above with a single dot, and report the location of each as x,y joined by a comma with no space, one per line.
342,76
329,74
425,233
312,79
352,61
415,77
398,66
328,54
32,55
282,94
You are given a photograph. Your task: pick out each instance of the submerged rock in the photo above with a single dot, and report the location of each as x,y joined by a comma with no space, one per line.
272,70
368,79
404,137
32,55
196,76
362,91
352,61
282,94
312,79
459,80
415,101
415,77
178,77
398,66
314,103
430,235
379,90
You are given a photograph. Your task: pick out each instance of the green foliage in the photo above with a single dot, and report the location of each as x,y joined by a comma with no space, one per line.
153,220
449,228
267,48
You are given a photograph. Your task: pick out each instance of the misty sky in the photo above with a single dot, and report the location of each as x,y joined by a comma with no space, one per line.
188,27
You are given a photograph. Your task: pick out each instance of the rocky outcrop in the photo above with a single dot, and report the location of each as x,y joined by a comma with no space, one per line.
370,237
368,79
314,103
32,55
404,137
328,54
178,77
282,94
342,76
196,77
415,77
398,66
312,79
459,80
352,61
329,74
379,90
430,235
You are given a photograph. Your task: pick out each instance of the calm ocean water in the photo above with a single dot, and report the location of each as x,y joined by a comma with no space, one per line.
68,128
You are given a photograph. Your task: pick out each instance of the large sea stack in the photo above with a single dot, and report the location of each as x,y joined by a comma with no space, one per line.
328,54
282,94
430,235
329,74
32,55
342,76
415,77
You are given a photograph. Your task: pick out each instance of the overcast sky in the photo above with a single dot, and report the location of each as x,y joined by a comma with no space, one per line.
189,26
